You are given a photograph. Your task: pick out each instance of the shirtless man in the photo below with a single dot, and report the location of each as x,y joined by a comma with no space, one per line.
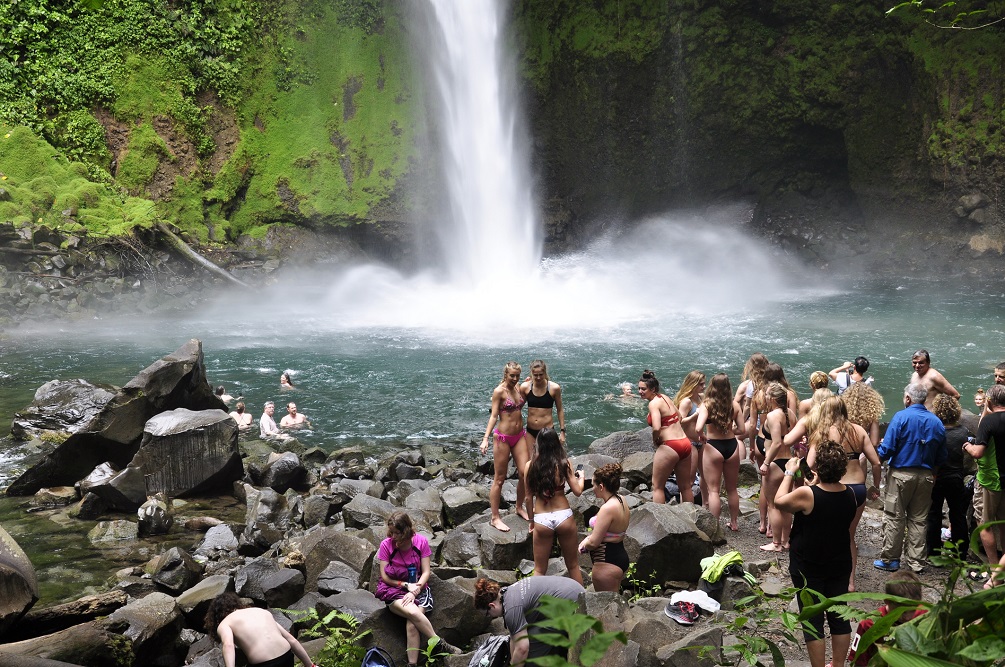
242,418
263,641
267,424
293,419
932,379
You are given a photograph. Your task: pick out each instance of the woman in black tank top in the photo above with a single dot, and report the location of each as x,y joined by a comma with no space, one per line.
820,557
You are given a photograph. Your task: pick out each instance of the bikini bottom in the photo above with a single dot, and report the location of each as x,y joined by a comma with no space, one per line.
551,520
511,440
285,660
726,447
859,490
681,445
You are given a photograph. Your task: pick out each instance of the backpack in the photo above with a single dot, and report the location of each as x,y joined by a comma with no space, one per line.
377,657
494,652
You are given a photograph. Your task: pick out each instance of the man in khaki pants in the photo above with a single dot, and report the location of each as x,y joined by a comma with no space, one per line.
915,443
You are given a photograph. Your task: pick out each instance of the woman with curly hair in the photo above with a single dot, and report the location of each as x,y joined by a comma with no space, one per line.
510,439
673,449
830,421
721,415
255,631
948,488
777,424
821,550
865,408
550,514
688,399
518,606
818,381
605,543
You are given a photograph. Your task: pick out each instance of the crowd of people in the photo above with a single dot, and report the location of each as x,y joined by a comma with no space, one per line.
815,458
267,426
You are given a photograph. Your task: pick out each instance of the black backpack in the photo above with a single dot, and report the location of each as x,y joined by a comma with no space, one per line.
494,652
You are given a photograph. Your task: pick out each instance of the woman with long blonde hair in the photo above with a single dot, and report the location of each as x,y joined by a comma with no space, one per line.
830,421
688,399
721,415
506,424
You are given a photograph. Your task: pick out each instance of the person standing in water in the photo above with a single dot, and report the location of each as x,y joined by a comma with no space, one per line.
673,449
506,424
243,419
544,398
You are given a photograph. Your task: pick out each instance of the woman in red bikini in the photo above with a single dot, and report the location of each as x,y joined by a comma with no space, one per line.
673,448
506,424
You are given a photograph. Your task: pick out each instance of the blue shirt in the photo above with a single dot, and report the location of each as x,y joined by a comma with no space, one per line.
915,438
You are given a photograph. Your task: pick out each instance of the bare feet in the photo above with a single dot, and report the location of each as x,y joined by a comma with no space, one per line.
498,524
762,529
773,546
522,513
733,526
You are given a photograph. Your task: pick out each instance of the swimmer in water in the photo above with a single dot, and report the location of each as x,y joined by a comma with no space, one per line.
510,439
285,381
243,419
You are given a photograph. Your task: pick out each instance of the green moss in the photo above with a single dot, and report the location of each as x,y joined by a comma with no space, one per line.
142,157
43,185
184,209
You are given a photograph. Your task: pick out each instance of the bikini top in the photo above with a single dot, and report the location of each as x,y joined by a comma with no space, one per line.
546,402
610,534
667,421
509,406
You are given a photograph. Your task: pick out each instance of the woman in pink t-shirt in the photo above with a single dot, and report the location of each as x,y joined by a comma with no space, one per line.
404,575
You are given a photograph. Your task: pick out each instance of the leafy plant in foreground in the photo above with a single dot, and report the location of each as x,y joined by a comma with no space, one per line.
568,626
343,647
642,587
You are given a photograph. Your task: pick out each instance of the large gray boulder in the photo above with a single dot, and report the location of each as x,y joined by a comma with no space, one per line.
331,544
453,602
663,540
219,540
460,503
248,582
284,471
126,490
154,517
176,571
622,443
64,406
153,624
89,644
113,434
461,548
184,452
18,583
194,603
364,510
505,550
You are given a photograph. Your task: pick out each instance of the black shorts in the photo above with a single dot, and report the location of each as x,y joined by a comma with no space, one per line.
285,660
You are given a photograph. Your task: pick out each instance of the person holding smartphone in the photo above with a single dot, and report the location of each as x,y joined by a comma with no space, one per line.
550,513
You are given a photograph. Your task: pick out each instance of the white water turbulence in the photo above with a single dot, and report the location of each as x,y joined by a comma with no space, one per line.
493,229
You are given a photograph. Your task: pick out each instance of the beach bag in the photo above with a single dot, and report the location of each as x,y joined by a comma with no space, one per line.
493,653
377,657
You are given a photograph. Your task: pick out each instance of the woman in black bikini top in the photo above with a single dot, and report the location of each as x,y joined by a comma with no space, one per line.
543,396
777,423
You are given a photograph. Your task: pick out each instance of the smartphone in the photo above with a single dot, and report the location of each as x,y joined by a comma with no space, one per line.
972,440
579,468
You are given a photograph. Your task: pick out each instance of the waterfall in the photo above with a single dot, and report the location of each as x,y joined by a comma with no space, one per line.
491,230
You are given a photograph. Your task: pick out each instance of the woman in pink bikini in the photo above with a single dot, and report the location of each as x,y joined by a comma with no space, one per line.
506,424
673,449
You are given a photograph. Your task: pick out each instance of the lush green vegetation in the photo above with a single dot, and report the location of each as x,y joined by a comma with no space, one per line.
312,100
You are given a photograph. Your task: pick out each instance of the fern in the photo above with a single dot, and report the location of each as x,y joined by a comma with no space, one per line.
343,646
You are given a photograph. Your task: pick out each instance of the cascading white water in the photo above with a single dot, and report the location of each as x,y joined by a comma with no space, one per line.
493,230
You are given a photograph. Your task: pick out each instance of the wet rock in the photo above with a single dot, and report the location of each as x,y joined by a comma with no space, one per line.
57,496
101,474
65,406
85,644
283,588
622,443
125,491
664,540
248,582
219,540
461,548
206,443
284,471
113,434
17,581
119,530
265,508
979,216
39,622
153,624
202,523
354,487
318,510
972,201
176,571
154,517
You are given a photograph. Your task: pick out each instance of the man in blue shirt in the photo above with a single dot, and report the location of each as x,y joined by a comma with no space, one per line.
915,444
